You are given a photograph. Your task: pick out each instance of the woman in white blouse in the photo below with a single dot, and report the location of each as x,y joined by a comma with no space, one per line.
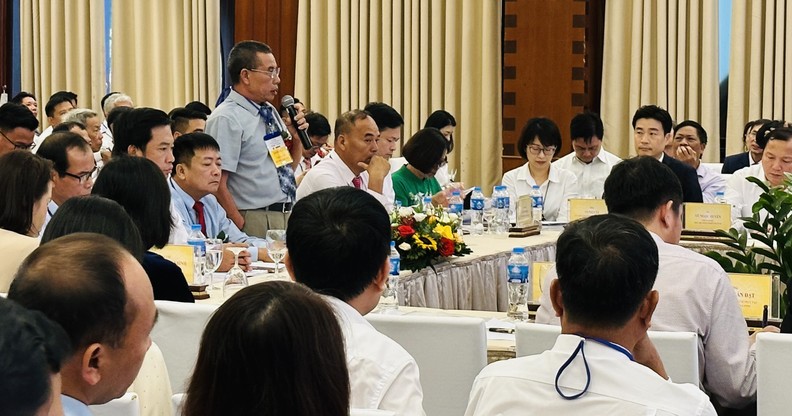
538,142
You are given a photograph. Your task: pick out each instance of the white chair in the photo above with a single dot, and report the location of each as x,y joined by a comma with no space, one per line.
126,405
177,404
449,351
678,350
773,367
178,333
152,384
370,412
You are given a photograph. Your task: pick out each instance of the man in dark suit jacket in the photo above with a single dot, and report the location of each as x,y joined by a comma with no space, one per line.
736,162
753,156
652,132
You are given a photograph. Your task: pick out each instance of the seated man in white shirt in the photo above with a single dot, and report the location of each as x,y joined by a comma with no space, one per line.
603,362
57,106
390,123
590,163
776,163
690,140
695,293
196,174
318,131
339,240
353,162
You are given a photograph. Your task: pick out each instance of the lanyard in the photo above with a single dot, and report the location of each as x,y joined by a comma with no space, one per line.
582,352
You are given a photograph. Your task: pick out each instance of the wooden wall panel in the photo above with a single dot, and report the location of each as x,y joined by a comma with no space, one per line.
273,22
544,68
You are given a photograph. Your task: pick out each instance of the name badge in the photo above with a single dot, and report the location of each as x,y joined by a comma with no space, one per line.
580,208
277,148
707,217
754,291
182,255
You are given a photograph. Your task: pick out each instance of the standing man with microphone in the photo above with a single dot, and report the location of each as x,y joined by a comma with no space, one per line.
257,187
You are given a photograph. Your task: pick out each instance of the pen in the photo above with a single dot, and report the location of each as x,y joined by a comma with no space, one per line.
502,330
764,316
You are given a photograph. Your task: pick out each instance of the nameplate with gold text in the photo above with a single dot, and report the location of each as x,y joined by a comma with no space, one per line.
753,292
580,208
182,255
707,217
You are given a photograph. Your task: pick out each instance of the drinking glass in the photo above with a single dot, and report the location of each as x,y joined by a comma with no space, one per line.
276,248
214,256
236,278
488,215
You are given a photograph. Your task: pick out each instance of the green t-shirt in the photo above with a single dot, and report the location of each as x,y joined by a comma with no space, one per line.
408,187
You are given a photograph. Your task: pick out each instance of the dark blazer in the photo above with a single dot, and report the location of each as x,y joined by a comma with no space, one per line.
691,190
166,278
736,162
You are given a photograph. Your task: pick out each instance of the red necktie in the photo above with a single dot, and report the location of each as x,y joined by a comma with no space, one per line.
357,182
199,212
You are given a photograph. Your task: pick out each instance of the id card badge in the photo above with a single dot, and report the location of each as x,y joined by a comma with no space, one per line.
277,148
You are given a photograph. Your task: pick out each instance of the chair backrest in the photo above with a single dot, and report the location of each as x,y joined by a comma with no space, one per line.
678,350
177,404
773,367
449,351
126,405
370,412
178,333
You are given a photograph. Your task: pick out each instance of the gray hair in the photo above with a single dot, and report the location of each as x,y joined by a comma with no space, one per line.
80,114
110,102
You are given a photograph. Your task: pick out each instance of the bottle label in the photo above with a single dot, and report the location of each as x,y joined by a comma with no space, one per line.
477,204
502,202
394,263
518,273
455,208
537,201
199,247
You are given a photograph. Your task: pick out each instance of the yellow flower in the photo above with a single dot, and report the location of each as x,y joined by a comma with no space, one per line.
444,231
426,242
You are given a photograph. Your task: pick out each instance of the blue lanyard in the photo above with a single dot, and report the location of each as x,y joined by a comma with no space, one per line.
582,352
273,128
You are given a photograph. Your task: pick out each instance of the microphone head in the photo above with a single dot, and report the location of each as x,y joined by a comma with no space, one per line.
287,101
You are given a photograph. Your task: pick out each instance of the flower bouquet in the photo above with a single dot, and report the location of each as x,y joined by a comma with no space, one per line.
422,236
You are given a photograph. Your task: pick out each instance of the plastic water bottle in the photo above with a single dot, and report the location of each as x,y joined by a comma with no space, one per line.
427,206
720,197
477,211
390,298
501,197
197,240
455,203
537,204
519,284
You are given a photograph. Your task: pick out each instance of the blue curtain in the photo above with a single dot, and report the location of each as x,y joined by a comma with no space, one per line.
16,56
226,42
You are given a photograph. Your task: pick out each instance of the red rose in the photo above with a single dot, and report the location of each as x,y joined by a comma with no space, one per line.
446,247
405,231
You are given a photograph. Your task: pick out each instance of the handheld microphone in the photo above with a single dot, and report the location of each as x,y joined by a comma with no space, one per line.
288,102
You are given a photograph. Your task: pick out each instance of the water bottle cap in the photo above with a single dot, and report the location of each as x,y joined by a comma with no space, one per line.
535,187
719,193
427,199
195,227
393,244
455,193
518,250
476,188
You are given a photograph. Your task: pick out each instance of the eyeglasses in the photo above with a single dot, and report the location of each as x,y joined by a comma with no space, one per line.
18,146
274,72
536,149
82,178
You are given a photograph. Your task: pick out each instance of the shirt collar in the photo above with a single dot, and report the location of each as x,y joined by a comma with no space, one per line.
74,407
52,207
248,105
346,173
183,196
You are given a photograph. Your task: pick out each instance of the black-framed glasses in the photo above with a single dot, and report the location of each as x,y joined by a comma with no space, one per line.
18,146
274,72
82,178
535,149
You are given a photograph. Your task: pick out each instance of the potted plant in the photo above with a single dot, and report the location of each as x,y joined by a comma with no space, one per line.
770,225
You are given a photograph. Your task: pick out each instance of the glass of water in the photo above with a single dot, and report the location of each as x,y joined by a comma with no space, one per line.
214,256
276,248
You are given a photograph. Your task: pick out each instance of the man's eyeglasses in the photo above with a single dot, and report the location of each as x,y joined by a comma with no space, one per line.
84,177
18,146
536,149
274,72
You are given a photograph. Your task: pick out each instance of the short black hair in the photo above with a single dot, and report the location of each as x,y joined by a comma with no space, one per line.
56,99
17,115
134,128
95,214
750,125
24,179
33,349
655,113
349,230
586,126
606,265
65,127
317,125
115,114
763,133
17,99
198,106
424,151
181,118
244,56
184,147
637,187
781,134
541,128
125,180
439,119
85,294
702,134
384,115
57,146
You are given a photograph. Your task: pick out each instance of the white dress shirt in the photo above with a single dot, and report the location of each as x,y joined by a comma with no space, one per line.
619,386
74,407
560,185
107,136
40,138
178,234
333,172
711,183
742,194
590,176
697,296
382,375
397,163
